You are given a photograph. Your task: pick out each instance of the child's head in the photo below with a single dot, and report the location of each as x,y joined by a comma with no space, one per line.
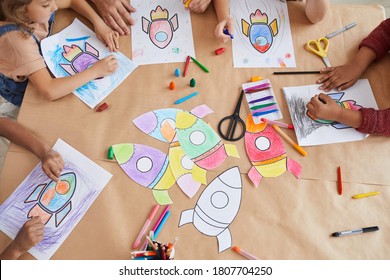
24,12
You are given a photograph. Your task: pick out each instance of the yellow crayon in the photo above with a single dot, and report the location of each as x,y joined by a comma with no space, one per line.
187,3
363,195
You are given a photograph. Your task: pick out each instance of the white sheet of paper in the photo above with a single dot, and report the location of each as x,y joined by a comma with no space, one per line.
76,48
89,181
162,32
261,47
310,132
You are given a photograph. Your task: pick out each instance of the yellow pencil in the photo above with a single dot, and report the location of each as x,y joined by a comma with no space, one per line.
363,195
289,140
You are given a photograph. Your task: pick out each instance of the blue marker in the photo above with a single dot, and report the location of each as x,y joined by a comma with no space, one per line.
226,32
185,98
162,224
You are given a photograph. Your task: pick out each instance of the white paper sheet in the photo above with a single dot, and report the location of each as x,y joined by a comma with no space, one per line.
310,132
76,48
162,32
85,180
262,34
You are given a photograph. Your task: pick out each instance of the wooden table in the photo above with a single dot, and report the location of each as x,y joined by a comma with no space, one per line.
284,218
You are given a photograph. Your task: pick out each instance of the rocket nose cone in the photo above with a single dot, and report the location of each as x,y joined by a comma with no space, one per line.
232,177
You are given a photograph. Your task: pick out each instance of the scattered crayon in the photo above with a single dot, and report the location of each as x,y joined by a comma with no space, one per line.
172,85
256,78
177,72
192,82
219,51
110,153
102,107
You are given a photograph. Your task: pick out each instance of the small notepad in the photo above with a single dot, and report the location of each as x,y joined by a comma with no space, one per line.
261,101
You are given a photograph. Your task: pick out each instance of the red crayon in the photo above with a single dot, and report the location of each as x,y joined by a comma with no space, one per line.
186,65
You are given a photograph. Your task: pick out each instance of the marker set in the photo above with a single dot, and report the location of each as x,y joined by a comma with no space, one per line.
261,101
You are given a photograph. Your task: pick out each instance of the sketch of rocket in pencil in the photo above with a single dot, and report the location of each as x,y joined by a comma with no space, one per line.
161,125
217,207
267,153
53,198
260,34
148,167
160,29
79,60
348,104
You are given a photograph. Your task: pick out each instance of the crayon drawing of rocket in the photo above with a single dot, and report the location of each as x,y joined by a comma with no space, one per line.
53,198
161,124
217,207
267,153
260,34
148,167
201,144
161,28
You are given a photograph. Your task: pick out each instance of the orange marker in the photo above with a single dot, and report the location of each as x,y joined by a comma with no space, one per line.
339,181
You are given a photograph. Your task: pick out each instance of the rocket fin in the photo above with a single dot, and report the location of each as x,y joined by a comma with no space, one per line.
91,49
294,168
255,176
224,240
274,27
186,217
231,150
245,27
175,22
162,197
145,25
35,194
201,111
60,216
199,174
68,69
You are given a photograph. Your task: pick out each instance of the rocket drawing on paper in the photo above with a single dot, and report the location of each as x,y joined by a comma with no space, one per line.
217,207
267,153
148,167
161,28
79,60
161,124
348,104
260,34
53,199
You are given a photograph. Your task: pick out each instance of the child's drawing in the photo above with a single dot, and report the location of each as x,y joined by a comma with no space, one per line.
162,32
60,206
267,153
75,49
263,35
217,207
148,167
161,28
312,131
161,124
53,199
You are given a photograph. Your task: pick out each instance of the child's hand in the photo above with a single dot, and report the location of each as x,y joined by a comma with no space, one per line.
30,234
108,36
324,107
198,6
224,24
105,66
340,77
52,164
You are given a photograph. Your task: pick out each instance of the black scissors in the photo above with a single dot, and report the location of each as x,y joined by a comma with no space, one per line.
233,120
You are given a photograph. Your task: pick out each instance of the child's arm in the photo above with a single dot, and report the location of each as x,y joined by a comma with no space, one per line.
316,10
55,88
103,31
52,162
322,106
30,234
225,20
345,76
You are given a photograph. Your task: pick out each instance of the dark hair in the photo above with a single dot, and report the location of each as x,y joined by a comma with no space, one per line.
16,11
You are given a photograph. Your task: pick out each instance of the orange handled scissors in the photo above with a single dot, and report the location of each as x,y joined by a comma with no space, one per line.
320,48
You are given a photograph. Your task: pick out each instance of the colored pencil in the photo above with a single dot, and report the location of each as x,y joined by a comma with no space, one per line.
296,72
289,140
280,124
339,181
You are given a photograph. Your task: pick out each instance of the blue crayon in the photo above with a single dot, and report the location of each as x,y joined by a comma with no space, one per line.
185,98
265,112
226,32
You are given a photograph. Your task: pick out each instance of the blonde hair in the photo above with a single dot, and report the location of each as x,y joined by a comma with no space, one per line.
16,11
